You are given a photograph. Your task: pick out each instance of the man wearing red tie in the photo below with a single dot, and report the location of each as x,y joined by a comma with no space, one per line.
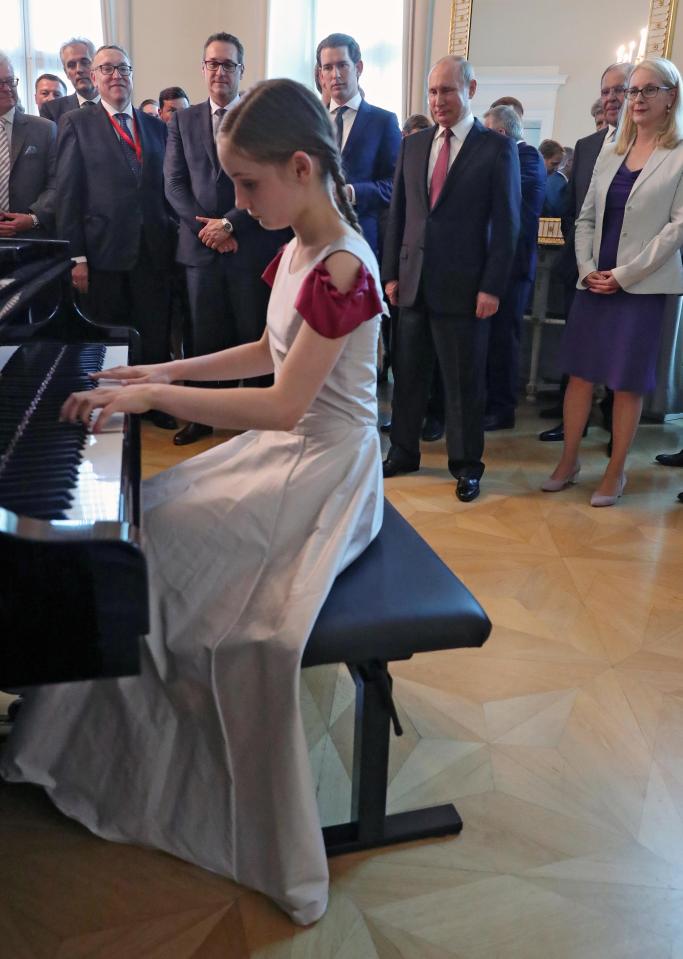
448,249
111,208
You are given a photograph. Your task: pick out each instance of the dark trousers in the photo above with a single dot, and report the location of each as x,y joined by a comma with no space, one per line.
227,308
141,298
460,342
502,364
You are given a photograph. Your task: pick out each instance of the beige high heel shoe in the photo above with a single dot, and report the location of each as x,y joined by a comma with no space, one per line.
600,499
551,485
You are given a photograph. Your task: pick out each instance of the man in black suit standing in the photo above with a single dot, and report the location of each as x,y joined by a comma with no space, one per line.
586,152
502,367
111,208
27,166
223,249
76,56
450,240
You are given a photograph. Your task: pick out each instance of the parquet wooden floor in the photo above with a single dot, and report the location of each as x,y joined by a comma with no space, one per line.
561,742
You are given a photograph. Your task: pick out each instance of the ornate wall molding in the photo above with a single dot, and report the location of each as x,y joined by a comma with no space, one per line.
661,24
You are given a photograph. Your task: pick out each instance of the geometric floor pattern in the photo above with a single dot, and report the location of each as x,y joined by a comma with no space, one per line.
560,742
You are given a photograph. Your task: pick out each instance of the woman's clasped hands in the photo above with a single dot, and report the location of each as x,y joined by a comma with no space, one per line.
601,281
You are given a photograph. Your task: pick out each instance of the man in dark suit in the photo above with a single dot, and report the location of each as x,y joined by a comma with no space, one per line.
223,249
111,208
76,56
48,87
27,166
586,152
450,240
502,367
369,138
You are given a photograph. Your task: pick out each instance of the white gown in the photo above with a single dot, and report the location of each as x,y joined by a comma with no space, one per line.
204,755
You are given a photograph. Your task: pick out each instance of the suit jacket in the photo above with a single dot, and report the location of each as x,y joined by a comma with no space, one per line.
533,174
54,109
103,210
648,256
369,160
32,173
467,242
557,198
197,185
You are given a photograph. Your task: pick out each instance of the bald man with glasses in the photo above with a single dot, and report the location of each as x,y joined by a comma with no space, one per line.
111,209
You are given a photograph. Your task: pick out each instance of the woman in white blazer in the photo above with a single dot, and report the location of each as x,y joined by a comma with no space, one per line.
628,238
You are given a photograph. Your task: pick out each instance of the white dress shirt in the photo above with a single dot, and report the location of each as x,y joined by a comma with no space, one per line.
215,121
460,131
348,116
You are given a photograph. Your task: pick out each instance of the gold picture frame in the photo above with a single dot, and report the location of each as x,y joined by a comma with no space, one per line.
660,27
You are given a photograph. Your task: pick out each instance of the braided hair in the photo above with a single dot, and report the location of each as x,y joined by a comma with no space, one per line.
278,117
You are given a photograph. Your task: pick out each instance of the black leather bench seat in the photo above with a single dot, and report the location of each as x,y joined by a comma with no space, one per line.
397,599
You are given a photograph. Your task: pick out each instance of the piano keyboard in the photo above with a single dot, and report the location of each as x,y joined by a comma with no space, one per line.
51,470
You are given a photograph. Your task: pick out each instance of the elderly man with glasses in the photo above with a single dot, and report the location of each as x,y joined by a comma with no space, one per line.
223,249
27,165
111,208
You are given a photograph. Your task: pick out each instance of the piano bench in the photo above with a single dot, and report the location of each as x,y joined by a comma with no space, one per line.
397,599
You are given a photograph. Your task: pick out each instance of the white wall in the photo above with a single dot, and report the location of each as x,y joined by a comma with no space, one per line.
578,38
168,37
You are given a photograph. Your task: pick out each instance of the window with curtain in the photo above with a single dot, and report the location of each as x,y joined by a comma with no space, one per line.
34,30
295,27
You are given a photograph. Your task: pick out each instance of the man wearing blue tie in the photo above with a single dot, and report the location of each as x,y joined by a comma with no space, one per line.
111,208
369,137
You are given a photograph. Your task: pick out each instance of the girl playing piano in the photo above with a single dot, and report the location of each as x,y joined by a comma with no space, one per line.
204,755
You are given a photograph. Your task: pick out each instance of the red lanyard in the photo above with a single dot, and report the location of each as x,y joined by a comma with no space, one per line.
134,144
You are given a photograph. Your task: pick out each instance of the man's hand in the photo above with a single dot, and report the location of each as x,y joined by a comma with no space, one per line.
601,281
79,277
214,236
487,305
13,223
391,290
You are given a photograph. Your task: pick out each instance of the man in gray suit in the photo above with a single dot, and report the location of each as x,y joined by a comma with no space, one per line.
223,249
76,55
586,152
27,165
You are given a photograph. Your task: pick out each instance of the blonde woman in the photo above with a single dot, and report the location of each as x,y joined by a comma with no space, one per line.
628,237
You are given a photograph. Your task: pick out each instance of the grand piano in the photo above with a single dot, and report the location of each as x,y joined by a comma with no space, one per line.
73,592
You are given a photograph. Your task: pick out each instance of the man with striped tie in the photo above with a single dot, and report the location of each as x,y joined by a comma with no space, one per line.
111,208
27,165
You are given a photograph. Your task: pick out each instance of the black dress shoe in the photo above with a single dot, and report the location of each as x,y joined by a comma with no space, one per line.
396,467
385,427
432,429
467,489
670,459
499,421
608,449
680,497
191,433
162,420
556,434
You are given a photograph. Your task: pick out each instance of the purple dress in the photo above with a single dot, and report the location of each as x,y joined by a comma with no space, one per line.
614,339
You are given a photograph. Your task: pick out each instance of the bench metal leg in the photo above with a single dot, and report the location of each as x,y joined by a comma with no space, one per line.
370,826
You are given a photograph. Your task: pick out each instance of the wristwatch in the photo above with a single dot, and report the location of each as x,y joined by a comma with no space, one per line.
36,221
227,225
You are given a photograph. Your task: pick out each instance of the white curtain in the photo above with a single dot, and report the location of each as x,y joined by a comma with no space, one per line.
418,16
116,23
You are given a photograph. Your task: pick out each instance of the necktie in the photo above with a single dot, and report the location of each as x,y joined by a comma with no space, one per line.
89,103
339,120
128,150
5,163
441,168
217,117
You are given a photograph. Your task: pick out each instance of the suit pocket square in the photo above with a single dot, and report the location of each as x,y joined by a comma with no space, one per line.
30,150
